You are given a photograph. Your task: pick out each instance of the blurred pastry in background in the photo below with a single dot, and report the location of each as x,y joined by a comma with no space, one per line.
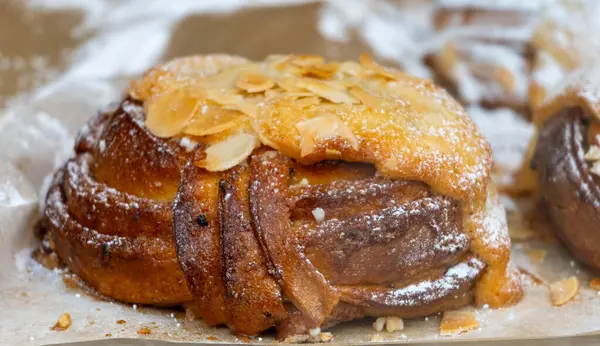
485,50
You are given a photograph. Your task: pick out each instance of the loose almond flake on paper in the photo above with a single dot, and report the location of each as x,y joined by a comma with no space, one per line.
561,292
595,284
456,322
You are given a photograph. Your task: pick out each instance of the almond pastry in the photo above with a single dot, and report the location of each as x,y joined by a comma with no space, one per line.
292,193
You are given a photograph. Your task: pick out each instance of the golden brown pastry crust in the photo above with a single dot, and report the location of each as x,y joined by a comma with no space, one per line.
269,197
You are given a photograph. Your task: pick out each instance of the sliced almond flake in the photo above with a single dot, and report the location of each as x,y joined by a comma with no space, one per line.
595,284
289,85
298,94
351,68
457,322
307,101
593,153
168,113
223,97
278,60
325,91
339,84
253,82
321,71
307,60
324,126
368,63
213,119
561,292
228,153
364,97
198,131
250,109
537,255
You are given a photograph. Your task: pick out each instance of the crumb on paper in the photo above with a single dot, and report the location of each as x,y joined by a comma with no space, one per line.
391,324
62,323
376,338
529,275
537,255
561,292
144,331
595,284
121,321
315,335
108,335
212,338
457,322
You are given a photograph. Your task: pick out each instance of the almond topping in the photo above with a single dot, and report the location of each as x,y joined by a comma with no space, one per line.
364,97
223,97
253,82
561,292
325,91
168,113
456,322
211,120
322,71
307,101
228,153
323,127
595,284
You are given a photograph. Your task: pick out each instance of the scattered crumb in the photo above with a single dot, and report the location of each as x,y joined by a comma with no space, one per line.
92,323
98,309
108,335
391,324
563,291
319,214
376,338
121,321
144,331
63,322
529,275
595,284
315,335
394,324
212,338
537,255
457,322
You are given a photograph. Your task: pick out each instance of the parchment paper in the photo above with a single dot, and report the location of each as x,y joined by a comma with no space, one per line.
36,135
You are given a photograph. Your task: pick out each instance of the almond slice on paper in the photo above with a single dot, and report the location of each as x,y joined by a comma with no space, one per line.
228,153
457,322
324,126
168,113
561,292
